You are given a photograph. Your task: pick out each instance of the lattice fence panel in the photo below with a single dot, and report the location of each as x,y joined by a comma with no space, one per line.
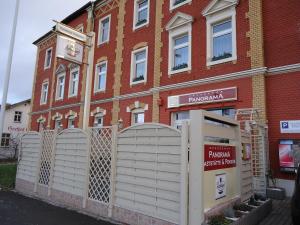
47,148
100,164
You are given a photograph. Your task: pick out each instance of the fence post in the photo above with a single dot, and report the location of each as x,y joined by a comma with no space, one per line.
38,164
52,163
113,169
184,174
87,176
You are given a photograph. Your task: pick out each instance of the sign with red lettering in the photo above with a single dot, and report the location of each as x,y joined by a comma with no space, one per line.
219,95
219,157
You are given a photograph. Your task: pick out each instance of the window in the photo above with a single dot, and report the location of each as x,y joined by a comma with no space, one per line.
100,76
221,37
60,87
18,117
141,13
180,49
104,29
48,58
139,66
179,117
74,79
58,124
71,122
177,3
229,112
138,116
98,122
5,140
44,93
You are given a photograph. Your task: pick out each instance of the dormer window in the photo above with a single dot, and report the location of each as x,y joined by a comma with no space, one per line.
141,13
180,45
221,31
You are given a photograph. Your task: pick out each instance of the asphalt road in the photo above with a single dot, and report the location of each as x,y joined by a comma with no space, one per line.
16,209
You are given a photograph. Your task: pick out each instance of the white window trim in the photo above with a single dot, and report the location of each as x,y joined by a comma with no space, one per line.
135,15
136,111
133,65
45,62
77,68
98,115
42,92
63,87
100,30
227,14
96,90
172,6
71,118
173,33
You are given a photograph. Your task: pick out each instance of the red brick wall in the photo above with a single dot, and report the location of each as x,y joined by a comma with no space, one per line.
281,32
283,94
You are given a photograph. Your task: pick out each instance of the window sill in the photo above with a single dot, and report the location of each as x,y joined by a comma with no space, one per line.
102,43
45,68
43,103
172,7
17,122
72,96
59,99
138,82
211,63
135,28
99,92
173,72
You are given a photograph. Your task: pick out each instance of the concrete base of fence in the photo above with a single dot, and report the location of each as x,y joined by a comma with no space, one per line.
24,187
135,218
96,209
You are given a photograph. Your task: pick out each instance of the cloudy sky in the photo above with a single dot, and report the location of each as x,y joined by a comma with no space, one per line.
34,20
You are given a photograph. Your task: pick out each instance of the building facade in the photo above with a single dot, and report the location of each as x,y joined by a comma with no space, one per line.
154,61
15,122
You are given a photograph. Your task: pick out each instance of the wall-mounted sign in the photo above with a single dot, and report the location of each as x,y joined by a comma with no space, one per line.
69,49
219,95
290,126
220,186
219,157
61,28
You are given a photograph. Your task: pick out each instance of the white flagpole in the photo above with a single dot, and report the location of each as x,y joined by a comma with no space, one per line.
8,68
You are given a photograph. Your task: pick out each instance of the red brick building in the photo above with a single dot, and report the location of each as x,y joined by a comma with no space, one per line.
153,61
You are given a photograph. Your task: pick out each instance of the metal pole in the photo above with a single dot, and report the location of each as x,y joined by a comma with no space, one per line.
8,69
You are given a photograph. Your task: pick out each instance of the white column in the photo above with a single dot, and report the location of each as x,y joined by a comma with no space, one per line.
8,68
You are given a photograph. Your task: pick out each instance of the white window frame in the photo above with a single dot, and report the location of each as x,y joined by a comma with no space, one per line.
75,69
96,117
133,65
176,32
46,56
100,33
135,14
57,97
214,19
56,121
96,90
172,6
137,111
44,91
71,119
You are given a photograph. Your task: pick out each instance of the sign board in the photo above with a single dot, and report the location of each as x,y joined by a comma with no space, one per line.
290,126
219,157
220,186
205,97
69,49
61,28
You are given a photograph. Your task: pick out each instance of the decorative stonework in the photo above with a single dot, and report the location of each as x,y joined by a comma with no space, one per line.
157,57
104,8
137,105
98,110
103,58
61,69
259,94
47,43
41,119
178,20
218,5
71,113
57,116
140,45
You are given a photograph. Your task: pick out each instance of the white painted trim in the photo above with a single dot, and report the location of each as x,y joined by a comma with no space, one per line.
284,69
45,60
42,92
96,90
227,14
133,65
63,86
173,33
135,13
100,30
77,68
207,11
172,6
137,111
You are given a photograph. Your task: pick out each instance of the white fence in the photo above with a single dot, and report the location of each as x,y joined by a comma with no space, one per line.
139,176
